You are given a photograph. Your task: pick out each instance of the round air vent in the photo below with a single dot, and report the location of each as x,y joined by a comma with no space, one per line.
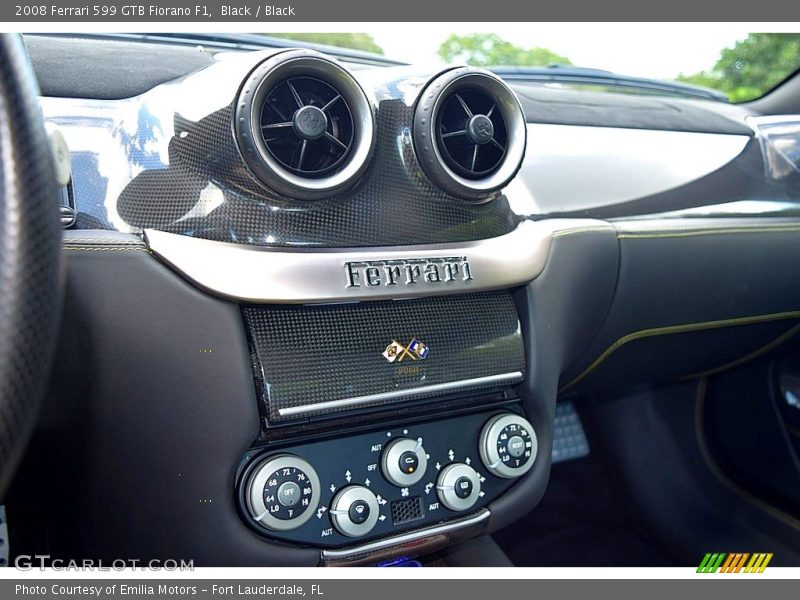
303,124
469,132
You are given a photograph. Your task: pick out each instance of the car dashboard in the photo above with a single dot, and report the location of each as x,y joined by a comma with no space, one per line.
320,313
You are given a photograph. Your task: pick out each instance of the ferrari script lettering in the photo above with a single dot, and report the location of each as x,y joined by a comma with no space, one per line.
432,271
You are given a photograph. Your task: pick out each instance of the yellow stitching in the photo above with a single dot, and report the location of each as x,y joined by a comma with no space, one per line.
105,244
673,329
108,248
131,246
700,232
720,474
104,241
743,359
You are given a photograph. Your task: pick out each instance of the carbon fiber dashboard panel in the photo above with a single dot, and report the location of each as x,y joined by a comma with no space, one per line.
168,160
313,359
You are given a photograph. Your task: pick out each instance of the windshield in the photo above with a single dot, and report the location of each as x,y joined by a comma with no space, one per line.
737,64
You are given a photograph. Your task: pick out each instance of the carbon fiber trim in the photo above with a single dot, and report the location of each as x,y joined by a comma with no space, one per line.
168,160
315,355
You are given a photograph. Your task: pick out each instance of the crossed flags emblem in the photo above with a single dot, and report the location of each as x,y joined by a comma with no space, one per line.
397,352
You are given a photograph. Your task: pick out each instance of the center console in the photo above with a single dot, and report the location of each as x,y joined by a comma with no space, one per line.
390,378
384,419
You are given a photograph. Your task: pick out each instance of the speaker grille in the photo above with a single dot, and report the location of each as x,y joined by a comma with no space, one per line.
313,355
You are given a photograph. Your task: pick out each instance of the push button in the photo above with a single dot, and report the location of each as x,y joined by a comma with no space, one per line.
516,446
289,493
463,487
359,512
409,463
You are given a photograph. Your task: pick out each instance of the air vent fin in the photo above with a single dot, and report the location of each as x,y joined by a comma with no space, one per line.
307,126
471,133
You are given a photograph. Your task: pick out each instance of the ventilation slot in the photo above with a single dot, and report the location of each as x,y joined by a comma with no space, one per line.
307,126
471,134
405,511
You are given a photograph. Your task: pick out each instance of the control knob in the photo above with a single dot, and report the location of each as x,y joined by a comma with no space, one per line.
282,492
508,445
354,511
404,462
458,486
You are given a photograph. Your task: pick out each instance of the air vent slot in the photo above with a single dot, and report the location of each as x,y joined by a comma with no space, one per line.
469,133
405,511
307,126
304,125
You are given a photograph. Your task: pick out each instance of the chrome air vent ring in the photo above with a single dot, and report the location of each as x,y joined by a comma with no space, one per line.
469,133
304,125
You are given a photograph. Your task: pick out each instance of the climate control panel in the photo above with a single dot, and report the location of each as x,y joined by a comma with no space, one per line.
371,485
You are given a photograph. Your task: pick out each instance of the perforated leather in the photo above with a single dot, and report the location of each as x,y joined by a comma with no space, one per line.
29,254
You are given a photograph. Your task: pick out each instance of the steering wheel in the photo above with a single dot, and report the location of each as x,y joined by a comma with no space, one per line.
30,248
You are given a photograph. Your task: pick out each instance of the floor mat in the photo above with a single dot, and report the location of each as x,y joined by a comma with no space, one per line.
579,523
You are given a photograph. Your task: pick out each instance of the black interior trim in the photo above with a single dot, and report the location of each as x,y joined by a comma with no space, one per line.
108,69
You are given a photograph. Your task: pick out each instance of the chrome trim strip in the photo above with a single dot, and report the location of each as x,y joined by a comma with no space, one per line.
755,121
308,275
296,411
480,517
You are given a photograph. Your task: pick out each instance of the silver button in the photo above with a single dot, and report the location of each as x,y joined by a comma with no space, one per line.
289,493
516,446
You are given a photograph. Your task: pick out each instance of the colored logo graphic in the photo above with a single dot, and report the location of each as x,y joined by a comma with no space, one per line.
397,352
737,562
